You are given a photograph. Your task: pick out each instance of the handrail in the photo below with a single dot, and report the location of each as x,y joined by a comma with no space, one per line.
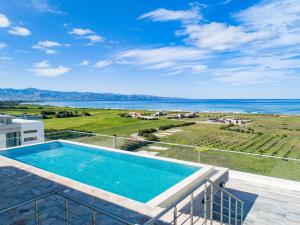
94,208
173,204
227,192
26,202
177,201
98,210
184,145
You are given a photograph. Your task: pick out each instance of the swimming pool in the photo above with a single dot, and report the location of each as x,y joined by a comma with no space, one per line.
128,175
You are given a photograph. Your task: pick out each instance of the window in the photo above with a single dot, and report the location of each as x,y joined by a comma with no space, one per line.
13,139
30,131
30,139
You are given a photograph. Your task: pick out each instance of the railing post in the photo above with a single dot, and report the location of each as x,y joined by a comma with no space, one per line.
205,203
199,156
66,212
236,212
192,209
175,215
211,203
94,217
37,217
229,210
114,141
222,195
242,213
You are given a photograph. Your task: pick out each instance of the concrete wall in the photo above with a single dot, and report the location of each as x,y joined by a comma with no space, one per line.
2,141
30,126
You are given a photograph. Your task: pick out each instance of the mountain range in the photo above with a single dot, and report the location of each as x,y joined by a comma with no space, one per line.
33,94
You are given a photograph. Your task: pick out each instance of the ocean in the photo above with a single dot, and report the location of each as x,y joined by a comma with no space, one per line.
261,106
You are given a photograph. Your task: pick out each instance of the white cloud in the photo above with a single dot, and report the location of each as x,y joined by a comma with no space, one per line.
80,31
262,46
4,21
42,64
51,51
19,31
44,6
280,15
169,60
48,46
84,63
102,64
164,15
44,69
87,34
219,36
94,38
2,45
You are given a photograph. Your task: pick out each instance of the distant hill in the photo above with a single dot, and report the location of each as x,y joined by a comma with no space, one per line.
33,94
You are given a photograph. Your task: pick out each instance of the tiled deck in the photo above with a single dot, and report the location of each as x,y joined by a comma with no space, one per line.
267,200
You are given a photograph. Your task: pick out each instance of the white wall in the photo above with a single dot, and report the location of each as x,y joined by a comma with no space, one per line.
27,125
2,141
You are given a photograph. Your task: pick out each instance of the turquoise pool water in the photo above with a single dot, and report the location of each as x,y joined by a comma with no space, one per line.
131,176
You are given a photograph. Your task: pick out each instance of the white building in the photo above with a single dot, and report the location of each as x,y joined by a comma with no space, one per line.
15,132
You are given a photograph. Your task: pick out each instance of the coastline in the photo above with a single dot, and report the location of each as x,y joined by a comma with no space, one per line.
289,107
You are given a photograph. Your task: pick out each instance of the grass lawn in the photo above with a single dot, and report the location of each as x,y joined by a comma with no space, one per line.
102,122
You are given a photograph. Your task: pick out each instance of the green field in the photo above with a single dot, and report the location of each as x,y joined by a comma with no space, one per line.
276,136
266,134
102,121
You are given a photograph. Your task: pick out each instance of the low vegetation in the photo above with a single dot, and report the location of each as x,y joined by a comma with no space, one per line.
166,127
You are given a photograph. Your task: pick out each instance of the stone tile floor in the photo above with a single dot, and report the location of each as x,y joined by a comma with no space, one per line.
267,203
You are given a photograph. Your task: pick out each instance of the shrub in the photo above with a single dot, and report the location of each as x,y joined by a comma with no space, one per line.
134,146
166,127
151,137
86,114
126,115
146,131
64,114
45,112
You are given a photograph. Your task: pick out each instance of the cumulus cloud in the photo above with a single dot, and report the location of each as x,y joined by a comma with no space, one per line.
94,38
84,63
44,69
87,34
19,31
4,21
80,32
49,46
262,45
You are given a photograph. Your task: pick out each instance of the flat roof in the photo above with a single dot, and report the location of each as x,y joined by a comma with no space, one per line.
25,121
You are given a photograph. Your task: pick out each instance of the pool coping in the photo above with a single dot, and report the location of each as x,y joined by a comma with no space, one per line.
167,196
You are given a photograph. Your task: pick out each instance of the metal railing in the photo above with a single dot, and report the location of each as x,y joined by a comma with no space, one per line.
208,211
198,149
67,199
214,207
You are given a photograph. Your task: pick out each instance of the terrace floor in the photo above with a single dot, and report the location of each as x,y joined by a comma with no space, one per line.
267,200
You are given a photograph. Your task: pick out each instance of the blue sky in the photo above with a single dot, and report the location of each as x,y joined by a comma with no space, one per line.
194,49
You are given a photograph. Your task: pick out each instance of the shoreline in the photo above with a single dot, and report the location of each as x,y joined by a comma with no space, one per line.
159,109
